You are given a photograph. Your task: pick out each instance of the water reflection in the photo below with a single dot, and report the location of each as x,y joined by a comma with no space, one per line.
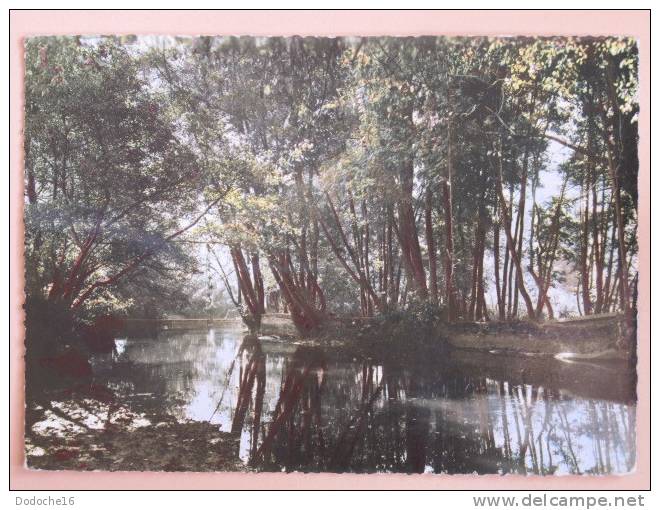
300,408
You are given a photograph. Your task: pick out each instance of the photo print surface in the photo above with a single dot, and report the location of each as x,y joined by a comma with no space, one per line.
347,255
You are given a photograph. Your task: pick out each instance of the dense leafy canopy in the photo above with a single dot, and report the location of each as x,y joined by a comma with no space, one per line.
326,176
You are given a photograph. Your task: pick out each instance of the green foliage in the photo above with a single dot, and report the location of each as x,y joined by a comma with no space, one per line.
313,147
105,165
407,332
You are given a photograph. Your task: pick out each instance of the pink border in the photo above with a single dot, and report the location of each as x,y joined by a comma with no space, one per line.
25,23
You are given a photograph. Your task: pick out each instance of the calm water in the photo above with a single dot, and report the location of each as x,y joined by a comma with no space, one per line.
301,408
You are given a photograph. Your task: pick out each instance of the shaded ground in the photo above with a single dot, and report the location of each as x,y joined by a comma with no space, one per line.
76,434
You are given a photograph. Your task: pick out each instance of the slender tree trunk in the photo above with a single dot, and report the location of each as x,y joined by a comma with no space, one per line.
511,245
473,284
482,309
430,241
624,292
510,290
520,223
307,308
545,276
251,287
477,300
258,280
610,266
450,297
505,271
358,253
597,247
584,250
543,298
392,288
408,236
496,262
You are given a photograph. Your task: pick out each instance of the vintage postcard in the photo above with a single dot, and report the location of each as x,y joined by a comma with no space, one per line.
355,254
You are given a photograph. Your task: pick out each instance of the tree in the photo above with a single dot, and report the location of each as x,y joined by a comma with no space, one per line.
109,181
412,169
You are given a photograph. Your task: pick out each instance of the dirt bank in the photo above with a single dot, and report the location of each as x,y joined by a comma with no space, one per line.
593,337
84,434
596,337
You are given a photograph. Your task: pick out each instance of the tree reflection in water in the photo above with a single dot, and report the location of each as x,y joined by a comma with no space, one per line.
308,409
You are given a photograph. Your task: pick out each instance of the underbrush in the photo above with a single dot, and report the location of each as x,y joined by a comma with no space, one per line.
408,333
59,345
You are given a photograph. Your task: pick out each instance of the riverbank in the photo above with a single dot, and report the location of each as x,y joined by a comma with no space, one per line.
81,433
590,337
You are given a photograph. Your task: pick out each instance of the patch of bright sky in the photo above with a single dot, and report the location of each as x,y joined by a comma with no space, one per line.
562,295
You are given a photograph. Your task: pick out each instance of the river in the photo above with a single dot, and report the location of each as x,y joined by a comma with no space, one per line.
297,407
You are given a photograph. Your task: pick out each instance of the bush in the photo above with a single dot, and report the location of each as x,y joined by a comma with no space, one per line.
49,327
58,345
406,331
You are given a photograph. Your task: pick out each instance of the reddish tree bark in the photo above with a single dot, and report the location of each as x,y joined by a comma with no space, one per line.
544,278
430,242
408,236
359,269
587,305
598,259
450,295
476,306
496,262
303,296
512,248
135,263
251,287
